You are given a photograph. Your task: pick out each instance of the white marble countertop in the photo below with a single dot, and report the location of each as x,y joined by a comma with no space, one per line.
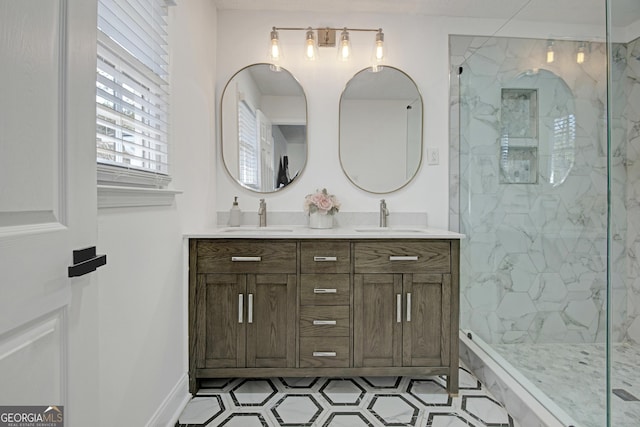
304,232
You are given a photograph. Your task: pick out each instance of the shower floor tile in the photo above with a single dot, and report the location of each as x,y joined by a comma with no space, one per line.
573,377
348,402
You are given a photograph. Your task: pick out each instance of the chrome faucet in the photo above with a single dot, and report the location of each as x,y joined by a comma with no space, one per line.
262,213
384,213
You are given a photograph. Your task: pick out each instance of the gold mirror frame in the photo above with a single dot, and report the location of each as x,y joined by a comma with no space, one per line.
273,82
367,147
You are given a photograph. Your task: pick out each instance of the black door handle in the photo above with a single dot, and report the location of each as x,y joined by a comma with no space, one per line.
85,261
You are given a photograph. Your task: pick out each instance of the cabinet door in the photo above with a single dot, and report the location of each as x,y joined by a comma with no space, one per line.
221,323
377,320
427,326
271,320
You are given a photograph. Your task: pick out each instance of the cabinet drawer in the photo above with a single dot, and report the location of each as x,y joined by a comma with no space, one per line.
402,257
233,256
324,289
325,257
323,352
324,321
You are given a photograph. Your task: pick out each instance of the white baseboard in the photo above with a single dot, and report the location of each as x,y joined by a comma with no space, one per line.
171,407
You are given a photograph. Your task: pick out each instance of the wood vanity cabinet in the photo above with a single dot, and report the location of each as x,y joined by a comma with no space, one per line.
323,307
241,299
402,318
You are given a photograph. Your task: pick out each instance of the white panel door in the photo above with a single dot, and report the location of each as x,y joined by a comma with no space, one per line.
48,321
265,144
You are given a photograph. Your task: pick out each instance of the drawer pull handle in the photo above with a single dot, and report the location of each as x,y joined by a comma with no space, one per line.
324,322
403,257
398,308
408,306
325,291
325,258
240,307
324,354
250,309
246,258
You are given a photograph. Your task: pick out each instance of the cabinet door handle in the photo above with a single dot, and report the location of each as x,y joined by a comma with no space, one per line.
324,354
246,258
250,309
403,257
325,291
324,322
408,306
398,308
325,258
240,307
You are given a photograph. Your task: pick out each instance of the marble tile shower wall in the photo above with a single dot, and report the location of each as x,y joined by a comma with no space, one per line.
533,266
626,97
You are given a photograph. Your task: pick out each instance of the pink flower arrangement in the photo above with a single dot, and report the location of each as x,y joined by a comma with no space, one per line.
322,202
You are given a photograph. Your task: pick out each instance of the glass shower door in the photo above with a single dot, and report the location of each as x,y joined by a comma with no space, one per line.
624,229
533,206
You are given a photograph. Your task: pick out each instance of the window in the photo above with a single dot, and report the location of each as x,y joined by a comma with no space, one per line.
563,152
247,145
132,93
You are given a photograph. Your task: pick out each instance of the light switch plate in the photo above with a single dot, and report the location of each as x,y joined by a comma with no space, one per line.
433,156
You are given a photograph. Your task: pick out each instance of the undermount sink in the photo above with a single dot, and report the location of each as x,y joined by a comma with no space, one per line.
392,230
257,230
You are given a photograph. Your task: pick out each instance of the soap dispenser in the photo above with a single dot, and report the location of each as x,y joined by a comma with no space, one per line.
235,213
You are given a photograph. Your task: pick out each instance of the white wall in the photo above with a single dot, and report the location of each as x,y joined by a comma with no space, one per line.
417,44
376,156
142,295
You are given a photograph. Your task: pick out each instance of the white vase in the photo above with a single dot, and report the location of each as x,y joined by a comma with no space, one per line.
318,220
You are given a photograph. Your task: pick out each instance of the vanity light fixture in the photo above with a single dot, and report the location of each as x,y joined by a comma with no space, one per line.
326,37
550,52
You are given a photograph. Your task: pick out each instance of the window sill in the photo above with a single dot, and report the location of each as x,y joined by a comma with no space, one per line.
110,196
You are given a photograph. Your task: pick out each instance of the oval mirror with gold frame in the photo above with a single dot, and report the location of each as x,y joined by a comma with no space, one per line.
381,129
263,122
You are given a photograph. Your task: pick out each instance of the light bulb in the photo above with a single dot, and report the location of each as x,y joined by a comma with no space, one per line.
580,55
275,53
344,48
379,48
310,46
550,53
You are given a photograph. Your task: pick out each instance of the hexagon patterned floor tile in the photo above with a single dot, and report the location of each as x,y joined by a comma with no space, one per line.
298,383
487,410
347,419
382,382
297,410
253,392
393,410
243,420
344,402
202,410
429,393
342,392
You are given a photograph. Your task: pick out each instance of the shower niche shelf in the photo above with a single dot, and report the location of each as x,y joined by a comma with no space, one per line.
519,136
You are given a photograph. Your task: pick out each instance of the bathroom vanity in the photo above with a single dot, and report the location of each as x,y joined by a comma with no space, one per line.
293,302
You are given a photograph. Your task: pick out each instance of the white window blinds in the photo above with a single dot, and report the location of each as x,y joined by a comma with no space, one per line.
247,145
132,92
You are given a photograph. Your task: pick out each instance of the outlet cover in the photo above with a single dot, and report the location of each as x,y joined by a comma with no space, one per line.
433,156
